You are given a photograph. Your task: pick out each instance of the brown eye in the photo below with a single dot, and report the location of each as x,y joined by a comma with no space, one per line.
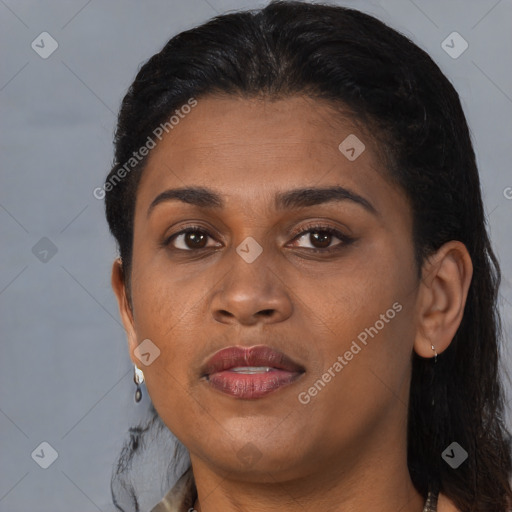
189,239
323,240
195,240
321,237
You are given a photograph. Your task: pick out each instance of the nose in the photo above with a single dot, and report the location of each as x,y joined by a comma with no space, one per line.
251,293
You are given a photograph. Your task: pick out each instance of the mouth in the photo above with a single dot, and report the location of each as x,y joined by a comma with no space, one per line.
250,373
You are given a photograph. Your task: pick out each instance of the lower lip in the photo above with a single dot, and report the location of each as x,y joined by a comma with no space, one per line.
249,386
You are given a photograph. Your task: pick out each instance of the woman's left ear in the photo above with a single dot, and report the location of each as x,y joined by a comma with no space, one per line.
441,300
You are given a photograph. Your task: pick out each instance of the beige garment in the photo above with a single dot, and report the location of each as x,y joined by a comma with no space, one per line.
182,496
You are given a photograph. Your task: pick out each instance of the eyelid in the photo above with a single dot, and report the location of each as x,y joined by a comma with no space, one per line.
320,225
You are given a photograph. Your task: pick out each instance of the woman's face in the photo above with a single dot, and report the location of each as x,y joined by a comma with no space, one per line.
344,314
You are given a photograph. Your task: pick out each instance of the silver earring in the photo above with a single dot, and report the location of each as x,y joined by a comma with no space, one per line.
435,361
435,353
138,378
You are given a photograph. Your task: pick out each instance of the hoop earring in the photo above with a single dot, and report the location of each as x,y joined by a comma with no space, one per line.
138,378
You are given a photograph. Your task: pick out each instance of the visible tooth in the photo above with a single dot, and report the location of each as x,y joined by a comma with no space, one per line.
251,369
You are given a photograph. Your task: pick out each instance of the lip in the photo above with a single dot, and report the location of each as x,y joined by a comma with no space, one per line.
219,374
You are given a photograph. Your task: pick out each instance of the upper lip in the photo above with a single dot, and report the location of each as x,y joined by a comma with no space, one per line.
259,355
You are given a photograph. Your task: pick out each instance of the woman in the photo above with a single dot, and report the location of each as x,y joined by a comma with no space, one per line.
305,277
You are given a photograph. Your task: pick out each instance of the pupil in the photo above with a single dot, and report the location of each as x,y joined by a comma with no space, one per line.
196,238
323,239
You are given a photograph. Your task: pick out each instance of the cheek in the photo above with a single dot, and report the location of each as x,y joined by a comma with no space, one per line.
370,379
368,313
165,317
351,297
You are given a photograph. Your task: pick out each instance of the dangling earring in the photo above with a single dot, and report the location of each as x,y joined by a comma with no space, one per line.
435,361
435,353
138,378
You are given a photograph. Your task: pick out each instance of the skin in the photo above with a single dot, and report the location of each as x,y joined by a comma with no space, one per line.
345,450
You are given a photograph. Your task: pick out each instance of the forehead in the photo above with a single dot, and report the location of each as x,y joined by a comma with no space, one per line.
246,147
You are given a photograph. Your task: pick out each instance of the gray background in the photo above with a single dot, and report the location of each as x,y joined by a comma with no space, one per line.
65,374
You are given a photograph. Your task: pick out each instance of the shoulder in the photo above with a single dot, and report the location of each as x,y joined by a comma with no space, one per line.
445,504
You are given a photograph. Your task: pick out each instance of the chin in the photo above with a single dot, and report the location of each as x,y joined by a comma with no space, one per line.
256,457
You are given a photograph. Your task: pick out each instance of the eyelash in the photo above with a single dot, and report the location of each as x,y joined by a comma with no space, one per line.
345,239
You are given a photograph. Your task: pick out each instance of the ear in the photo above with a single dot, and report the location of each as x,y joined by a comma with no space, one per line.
440,303
119,287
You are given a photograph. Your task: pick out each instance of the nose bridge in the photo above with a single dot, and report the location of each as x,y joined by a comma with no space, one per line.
250,268
251,285
255,257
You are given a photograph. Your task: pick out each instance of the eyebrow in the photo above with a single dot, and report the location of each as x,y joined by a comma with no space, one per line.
203,197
